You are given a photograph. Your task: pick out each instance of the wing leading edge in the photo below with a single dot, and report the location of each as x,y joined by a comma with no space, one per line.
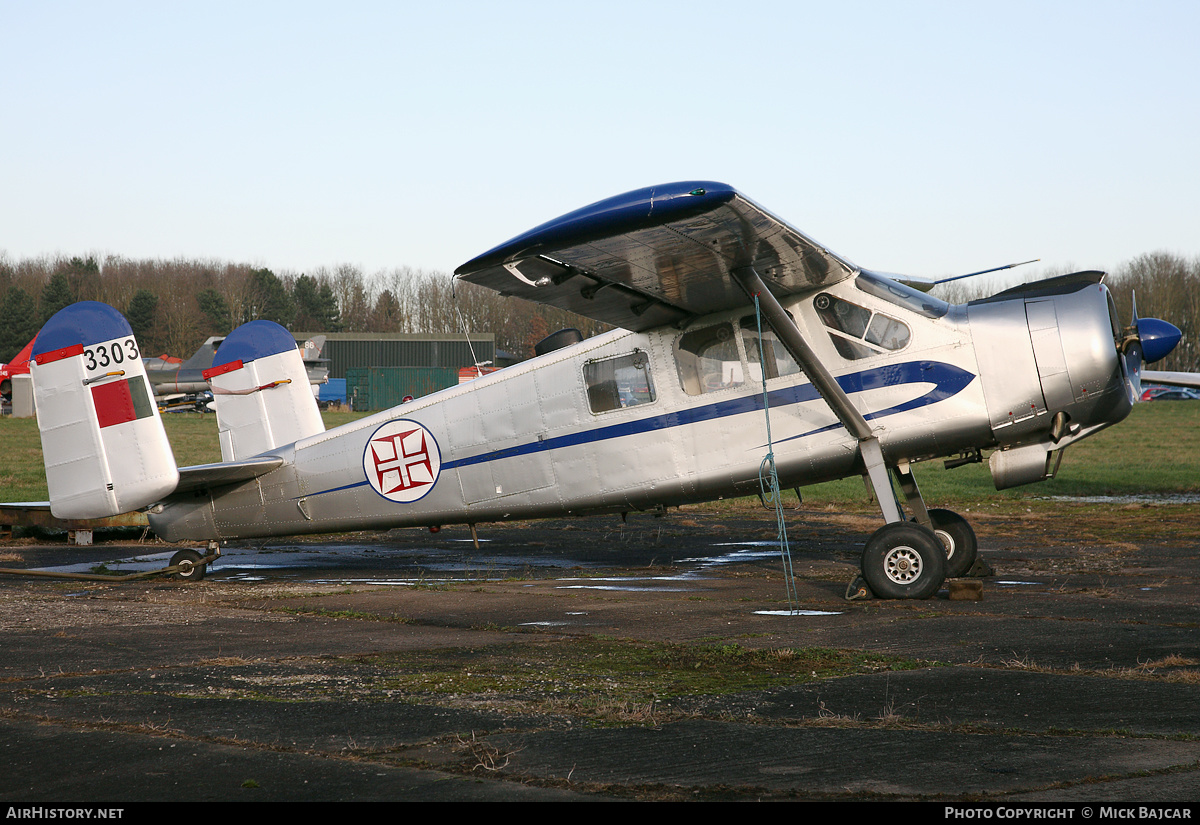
657,255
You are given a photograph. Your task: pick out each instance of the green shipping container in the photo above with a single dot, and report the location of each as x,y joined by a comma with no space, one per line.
379,388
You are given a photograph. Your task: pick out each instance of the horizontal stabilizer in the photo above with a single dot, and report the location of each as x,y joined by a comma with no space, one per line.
103,443
203,476
261,391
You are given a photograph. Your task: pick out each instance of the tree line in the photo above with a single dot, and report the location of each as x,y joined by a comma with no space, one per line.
1163,285
174,305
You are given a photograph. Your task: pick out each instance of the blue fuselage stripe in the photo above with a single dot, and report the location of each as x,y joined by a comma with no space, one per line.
948,380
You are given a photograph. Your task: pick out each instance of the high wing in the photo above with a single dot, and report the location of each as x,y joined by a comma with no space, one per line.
657,255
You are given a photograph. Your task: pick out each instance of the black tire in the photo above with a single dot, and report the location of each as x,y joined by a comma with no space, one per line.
189,569
955,533
904,561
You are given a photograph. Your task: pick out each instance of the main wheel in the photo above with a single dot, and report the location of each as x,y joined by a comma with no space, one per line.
904,561
959,540
189,568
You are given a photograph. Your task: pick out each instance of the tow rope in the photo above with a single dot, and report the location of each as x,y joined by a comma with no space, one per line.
768,476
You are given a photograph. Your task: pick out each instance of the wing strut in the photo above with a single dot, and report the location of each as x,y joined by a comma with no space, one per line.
828,387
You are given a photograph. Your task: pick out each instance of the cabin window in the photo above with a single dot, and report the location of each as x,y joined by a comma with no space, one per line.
765,350
856,331
616,383
708,359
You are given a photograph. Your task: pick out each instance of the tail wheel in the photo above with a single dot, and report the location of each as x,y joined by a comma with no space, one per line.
188,562
958,538
904,561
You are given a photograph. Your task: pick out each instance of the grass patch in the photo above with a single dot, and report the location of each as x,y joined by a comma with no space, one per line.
342,614
599,676
1173,668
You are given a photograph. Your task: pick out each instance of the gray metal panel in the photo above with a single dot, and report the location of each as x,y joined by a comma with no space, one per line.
1006,362
1048,350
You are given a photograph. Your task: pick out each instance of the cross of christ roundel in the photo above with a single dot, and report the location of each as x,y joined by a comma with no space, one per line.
402,461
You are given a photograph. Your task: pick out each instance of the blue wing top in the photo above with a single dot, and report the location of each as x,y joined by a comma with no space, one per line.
656,255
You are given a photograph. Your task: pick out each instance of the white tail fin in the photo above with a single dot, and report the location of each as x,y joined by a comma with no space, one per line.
260,390
103,443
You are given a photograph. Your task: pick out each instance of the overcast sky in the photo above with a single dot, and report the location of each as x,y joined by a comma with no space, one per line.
923,138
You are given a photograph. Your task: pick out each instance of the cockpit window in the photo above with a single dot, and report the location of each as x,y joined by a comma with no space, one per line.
708,359
887,332
901,295
856,331
765,351
616,383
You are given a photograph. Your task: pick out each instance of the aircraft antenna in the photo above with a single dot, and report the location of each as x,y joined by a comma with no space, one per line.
462,322
768,476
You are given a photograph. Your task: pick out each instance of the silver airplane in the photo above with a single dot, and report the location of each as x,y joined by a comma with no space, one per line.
726,315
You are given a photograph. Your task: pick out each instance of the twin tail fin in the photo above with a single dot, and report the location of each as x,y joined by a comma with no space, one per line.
103,442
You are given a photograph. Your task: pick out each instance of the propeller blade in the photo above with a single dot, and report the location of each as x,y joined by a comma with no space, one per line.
1146,340
1132,357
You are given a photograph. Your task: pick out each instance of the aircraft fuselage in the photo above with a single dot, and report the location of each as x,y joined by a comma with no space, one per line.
629,421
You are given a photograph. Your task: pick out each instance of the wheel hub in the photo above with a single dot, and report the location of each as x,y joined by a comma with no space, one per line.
902,565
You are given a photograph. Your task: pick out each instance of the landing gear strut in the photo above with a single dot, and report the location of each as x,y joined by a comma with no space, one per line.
910,559
902,560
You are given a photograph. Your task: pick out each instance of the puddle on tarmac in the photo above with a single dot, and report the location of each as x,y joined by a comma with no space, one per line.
387,565
133,564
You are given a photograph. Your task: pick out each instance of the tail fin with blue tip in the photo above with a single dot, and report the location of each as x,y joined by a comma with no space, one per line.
103,442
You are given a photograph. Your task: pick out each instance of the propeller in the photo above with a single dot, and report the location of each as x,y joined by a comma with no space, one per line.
1145,341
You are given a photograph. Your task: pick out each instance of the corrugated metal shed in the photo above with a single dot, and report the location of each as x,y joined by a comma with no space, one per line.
379,388
348,350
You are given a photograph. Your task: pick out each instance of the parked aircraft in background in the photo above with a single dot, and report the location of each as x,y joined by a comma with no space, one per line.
723,309
183,386
19,365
